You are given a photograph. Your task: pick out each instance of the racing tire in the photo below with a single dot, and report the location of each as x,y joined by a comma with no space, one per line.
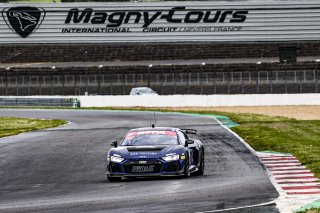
114,179
201,166
186,169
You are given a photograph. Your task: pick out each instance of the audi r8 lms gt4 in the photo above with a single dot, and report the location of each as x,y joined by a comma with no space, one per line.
156,151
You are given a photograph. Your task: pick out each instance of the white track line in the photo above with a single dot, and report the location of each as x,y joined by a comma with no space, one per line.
277,158
290,171
282,165
284,181
301,184
286,168
302,190
297,182
280,162
293,175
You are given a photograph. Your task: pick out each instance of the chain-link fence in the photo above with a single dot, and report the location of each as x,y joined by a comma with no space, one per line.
242,82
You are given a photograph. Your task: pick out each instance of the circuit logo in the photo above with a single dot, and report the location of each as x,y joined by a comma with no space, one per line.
174,15
23,20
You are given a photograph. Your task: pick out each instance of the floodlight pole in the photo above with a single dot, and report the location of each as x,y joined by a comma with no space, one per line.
149,67
258,76
285,77
201,83
6,77
52,70
316,76
270,79
99,82
17,83
63,81
29,83
86,72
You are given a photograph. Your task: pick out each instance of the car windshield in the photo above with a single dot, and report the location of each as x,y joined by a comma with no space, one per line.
146,90
142,90
150,138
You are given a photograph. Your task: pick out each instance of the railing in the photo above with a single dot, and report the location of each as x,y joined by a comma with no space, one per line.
242,82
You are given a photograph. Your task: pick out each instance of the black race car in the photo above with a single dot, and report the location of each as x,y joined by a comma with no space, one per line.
160,151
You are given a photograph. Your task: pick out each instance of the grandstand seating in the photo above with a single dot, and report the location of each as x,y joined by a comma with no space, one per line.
125,66
143,51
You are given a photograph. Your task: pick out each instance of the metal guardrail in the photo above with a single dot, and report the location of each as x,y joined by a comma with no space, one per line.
42,102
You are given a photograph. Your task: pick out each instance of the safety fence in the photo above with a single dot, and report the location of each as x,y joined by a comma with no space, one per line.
241,82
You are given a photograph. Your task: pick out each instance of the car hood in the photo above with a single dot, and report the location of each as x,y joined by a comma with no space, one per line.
138,152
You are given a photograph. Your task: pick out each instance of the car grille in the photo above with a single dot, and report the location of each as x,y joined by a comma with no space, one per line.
172,167
143,166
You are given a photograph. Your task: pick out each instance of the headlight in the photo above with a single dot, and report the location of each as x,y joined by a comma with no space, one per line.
171,157
116,159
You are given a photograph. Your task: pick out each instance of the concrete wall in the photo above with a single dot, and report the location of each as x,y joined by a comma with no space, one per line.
201,100
194,100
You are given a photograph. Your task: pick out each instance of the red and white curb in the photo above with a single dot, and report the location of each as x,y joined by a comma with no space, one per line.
296,184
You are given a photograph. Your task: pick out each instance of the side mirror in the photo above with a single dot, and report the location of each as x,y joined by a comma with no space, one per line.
189,141
114,143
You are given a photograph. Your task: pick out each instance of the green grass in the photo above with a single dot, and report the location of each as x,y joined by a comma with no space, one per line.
280,134
300,138
310,211
12,126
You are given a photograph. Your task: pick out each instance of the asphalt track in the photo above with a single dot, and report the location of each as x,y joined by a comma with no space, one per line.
63,169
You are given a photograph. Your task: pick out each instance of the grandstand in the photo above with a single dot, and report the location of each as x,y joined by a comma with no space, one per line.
282,61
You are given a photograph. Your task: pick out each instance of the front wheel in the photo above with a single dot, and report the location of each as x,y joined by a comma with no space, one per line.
201,166
186,169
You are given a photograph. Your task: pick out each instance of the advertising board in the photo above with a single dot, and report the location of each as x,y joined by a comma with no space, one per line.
160,22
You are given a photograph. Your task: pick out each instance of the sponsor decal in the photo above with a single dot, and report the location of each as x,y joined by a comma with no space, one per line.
149,168
143,153
116,19
23,20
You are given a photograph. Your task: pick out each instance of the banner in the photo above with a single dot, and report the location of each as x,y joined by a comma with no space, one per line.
160,22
